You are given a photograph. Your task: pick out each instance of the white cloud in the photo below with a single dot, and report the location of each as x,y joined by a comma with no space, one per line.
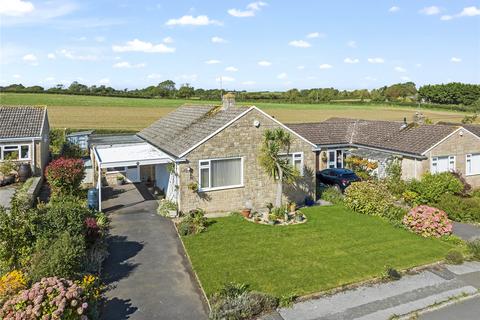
15,8
51,56
376,60
50,79
128,65
189,20
325,66
187,77
352,44
168,40
250,11
218,40
231,69
313,35
456,60
300,67
136,45
400,69
430,11
351,60
264,63
29,57
16,76
99,39
466,12
394,9
73,56
249,83
104,81
226,79
212,61
154,76
470,12
299,44
405,78
370,78
282,76
418,65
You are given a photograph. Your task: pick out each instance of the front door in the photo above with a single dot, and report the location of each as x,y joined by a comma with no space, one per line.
132,174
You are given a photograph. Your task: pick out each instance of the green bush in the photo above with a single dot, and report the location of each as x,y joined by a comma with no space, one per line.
432,186
332,195
474,249
369,197
454,257
236,302
165,206
394,181
63,257
463,209
193,223
64,213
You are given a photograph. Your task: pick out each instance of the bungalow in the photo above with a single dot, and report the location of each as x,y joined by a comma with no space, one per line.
421,148
207,156
24,136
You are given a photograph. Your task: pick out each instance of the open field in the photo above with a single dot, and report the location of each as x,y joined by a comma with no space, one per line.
335,247
72,111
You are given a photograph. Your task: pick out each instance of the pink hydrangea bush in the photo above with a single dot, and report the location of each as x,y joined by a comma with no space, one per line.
428,221
51,298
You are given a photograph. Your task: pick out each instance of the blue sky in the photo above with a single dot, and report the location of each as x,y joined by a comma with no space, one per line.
263,45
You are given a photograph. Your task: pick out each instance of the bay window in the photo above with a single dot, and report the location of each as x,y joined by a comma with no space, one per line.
15,152
442,164
220,173
473,164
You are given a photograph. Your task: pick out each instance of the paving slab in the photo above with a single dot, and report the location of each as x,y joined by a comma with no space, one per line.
6,195
466,231
468,309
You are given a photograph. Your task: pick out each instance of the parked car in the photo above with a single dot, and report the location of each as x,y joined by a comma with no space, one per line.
338,178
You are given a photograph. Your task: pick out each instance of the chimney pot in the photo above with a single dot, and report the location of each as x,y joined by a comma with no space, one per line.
228,101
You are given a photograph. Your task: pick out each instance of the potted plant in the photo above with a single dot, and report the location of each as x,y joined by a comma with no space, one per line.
120,180
292,206
299,217
272,219
246,212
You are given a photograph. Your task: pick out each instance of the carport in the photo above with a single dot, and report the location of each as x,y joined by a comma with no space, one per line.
135,162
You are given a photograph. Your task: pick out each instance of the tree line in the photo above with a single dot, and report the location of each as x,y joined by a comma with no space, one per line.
444,94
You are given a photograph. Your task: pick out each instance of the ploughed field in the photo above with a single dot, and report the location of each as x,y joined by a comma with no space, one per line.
95,112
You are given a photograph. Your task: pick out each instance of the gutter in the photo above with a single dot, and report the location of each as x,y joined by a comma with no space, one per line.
412,155
20,139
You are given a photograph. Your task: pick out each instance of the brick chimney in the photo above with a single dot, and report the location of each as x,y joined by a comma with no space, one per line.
228,101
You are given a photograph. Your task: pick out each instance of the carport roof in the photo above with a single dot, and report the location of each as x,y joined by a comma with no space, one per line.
129,155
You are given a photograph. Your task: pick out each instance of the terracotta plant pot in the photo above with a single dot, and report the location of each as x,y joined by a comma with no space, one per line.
246,213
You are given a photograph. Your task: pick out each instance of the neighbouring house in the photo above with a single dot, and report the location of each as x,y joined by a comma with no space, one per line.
24,136
207,157
420,147
80,138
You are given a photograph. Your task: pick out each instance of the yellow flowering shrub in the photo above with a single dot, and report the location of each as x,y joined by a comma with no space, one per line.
11,283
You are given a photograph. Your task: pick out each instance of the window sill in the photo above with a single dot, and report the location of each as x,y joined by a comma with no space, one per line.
472,174
221,188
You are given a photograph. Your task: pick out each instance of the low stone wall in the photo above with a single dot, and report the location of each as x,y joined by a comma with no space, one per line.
34,189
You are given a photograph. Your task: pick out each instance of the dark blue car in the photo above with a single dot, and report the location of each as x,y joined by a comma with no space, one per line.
338,178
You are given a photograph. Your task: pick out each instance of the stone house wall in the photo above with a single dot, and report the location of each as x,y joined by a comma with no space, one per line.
243,139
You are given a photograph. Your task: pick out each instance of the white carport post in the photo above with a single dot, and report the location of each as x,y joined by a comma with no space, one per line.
99,186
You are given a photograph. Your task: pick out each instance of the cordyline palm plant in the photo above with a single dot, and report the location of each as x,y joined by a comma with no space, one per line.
276,145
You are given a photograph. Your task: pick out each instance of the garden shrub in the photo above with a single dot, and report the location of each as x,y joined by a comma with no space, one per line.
65,175
432,186
236,301
18,231
165,207
332,195
71,150
193,223
474,249
394,181
454,257
11,283
51,298
428,221
95,256
372,198
391,273
463,209
64,257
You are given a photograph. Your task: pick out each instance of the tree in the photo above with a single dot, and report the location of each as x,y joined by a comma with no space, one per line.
165,88
272,158
186,91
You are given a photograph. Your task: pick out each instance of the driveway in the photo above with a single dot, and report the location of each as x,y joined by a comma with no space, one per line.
147,270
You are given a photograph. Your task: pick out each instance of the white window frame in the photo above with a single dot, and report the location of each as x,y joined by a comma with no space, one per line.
292,156
335,158
209,167
469,159
19,151
452,162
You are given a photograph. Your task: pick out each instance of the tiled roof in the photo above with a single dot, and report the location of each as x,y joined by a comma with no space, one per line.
183,128
21,121
385,135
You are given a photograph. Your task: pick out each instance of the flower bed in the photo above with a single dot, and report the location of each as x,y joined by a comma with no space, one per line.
278,218
428,221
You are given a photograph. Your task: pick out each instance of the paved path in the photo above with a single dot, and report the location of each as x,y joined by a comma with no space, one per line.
467,232
381,301
6,195
464,310
147,267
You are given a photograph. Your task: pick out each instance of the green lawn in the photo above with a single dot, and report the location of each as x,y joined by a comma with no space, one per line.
335,247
